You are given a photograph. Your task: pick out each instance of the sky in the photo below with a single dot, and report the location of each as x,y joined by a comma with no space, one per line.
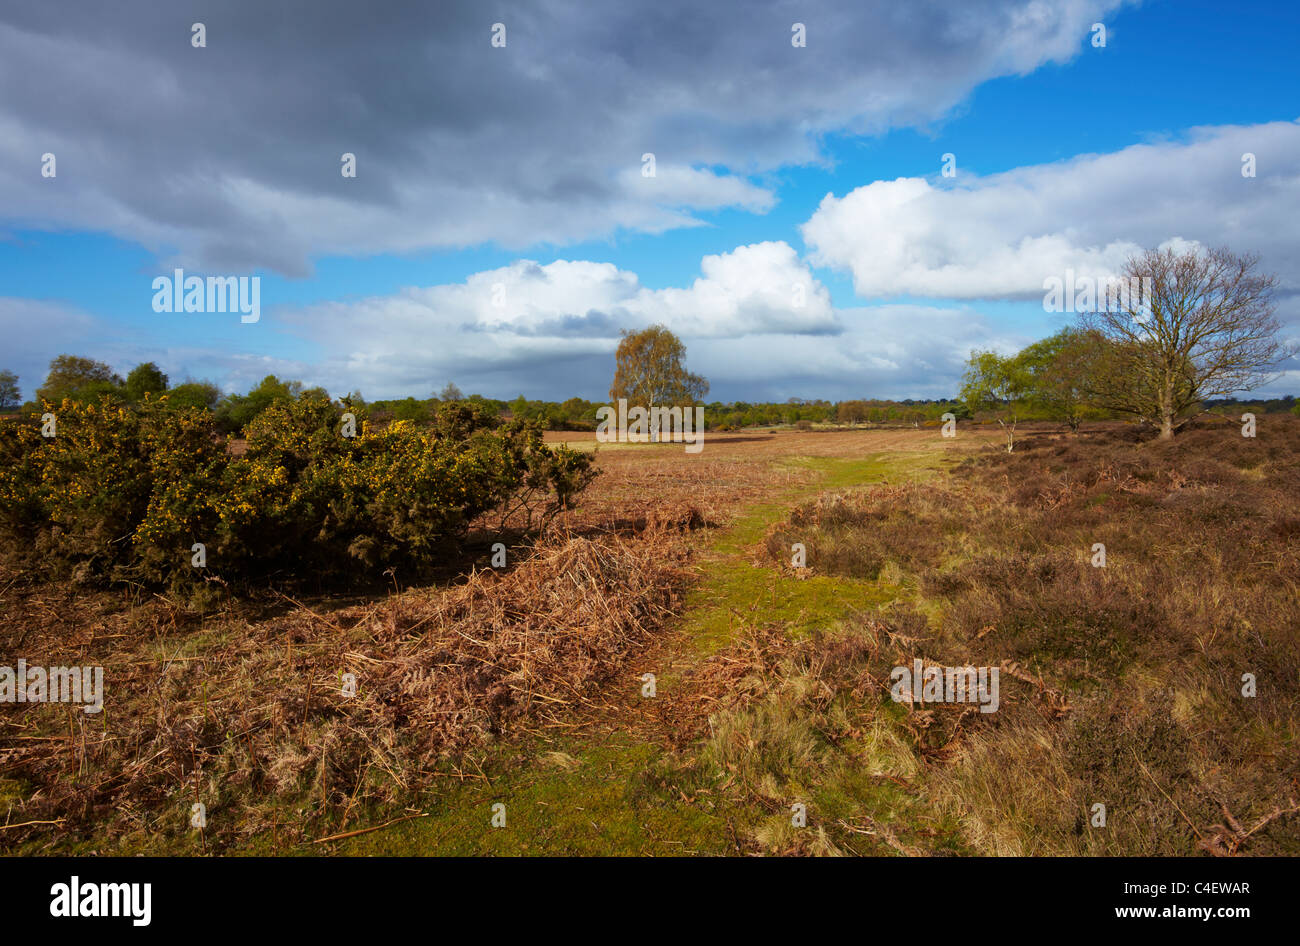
846,218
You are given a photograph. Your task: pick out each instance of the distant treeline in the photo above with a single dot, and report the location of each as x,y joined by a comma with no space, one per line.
1276,405
84,380
579,414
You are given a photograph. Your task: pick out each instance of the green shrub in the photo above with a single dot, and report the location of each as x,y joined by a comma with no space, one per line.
124,492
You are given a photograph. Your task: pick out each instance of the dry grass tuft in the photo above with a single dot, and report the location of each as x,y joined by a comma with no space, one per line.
1121,685
251,719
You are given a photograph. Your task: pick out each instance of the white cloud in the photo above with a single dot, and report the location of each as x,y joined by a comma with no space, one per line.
1002,235
557,334
896,351
534,319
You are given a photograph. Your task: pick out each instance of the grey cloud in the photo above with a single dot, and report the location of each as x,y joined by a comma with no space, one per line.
229,155
592,324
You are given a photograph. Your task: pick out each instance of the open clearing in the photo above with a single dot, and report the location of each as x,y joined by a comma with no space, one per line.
588,788
525,690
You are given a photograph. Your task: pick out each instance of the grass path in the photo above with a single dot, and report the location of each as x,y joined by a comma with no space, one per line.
588,791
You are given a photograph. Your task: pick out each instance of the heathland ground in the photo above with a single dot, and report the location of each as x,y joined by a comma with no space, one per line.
528,687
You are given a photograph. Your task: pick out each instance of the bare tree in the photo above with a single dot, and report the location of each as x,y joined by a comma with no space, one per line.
1203,328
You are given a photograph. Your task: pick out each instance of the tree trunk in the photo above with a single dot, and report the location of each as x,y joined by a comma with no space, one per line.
1167,410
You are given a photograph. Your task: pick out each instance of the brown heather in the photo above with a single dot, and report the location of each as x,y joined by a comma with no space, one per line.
1121,685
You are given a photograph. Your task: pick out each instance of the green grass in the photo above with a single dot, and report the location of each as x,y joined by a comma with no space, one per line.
582,804
734,589
602,795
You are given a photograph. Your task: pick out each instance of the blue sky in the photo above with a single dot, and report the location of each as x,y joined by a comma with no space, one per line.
472,159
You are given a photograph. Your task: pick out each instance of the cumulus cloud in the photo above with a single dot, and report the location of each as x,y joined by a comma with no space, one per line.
228,157
526,316
1000,236
545,329
882,351
898,351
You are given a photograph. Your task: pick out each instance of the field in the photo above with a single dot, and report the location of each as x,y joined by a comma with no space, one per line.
511,710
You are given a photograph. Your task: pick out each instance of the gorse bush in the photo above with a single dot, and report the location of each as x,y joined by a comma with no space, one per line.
124,492
76,497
